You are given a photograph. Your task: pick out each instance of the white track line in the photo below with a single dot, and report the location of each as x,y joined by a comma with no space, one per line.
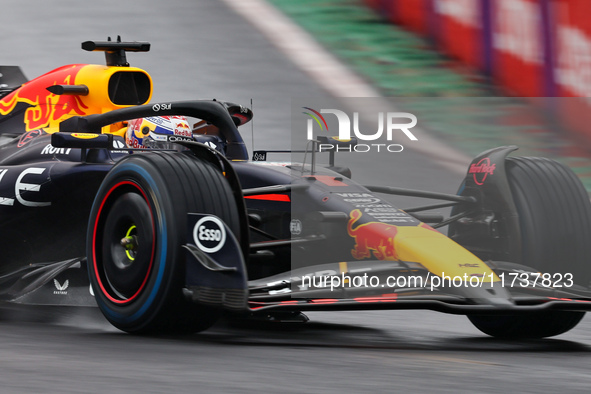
327,71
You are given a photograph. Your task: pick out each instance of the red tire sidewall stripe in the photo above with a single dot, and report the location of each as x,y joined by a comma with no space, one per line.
94,259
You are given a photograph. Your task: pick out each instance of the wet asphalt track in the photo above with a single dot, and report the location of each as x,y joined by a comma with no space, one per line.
202,50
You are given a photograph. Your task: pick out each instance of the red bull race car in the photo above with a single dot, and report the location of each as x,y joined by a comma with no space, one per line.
155,214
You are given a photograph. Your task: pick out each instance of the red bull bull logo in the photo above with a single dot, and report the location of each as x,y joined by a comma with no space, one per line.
45,107
182,129
372,237
181,126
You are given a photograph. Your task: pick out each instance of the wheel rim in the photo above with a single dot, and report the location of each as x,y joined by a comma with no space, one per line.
124,241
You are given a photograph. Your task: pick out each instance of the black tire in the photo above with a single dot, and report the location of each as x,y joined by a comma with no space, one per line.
555,222
529,326
148,196
554,215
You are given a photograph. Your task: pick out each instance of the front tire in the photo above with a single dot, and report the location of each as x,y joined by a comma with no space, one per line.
555,223
530,326
137,226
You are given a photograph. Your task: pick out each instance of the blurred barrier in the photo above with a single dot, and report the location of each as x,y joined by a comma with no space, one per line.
460,30
414,14
518,46
532,48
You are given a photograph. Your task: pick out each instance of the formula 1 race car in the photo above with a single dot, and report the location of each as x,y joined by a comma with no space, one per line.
166,237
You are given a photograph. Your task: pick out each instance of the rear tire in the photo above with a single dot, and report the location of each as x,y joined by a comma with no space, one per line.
555,223
145,199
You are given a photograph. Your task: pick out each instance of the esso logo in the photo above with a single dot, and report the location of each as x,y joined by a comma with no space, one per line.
209,234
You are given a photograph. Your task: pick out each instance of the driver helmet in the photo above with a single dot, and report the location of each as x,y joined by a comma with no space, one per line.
158,132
